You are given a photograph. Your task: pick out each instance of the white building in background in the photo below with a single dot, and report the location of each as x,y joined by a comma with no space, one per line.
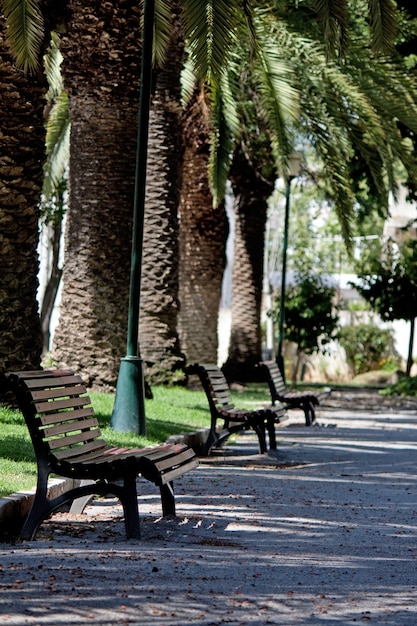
403,218
401,222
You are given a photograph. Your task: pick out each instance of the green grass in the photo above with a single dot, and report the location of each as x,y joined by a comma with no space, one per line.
18,470
172,411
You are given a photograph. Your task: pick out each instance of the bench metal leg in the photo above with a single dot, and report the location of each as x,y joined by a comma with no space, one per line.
40,507
260,431
210,442
129,500
271,434
78,505
309,413
167,499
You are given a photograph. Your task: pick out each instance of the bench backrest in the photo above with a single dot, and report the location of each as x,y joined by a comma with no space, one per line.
58,414
276,383
215,385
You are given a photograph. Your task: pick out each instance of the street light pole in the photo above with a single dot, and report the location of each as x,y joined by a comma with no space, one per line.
293,171
129,406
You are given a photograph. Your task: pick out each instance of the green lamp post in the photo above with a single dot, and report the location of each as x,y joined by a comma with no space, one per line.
293,171
129,407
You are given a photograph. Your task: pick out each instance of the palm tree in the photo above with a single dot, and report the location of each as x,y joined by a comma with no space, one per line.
22,135
251,189
346,115
102,51
90,275
211,35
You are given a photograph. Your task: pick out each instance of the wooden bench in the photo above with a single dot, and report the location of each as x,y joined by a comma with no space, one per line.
67,441
305,400
234,419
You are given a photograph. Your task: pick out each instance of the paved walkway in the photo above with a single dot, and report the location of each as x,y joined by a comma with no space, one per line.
322,534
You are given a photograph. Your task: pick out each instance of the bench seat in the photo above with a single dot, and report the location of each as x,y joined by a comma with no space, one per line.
305,400
233,419
67,441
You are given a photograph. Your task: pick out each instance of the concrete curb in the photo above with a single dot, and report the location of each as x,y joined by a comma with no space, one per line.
195,440
14,508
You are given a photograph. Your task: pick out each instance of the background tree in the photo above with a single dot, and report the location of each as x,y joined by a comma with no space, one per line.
367,347
55,185
251,192
310,320
102,55
389,284
261,27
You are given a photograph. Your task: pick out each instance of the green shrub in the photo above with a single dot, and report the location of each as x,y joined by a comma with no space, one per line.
367,347
406,386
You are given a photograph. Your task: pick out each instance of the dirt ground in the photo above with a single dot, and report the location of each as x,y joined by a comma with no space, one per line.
321,533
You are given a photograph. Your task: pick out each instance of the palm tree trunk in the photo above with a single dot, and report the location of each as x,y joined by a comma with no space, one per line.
159,341
22,141
251,195
203,235
101,50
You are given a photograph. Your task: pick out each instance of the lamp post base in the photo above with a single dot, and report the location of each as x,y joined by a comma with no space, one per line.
129,406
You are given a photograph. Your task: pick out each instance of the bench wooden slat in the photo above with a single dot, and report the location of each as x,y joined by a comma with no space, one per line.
67,427
225,407
169,476
57,405
70,440
163,450
53,418
67,441
175,461
29,374
221,394
71,453
58,381
89,454
61,392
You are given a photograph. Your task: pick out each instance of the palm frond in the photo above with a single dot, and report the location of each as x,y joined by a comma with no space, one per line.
334,18
391,87
391,90
25,31
162,31
188,81
275,82
52,63
210,32
332,147
383,22
57,145
358,103
225,124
